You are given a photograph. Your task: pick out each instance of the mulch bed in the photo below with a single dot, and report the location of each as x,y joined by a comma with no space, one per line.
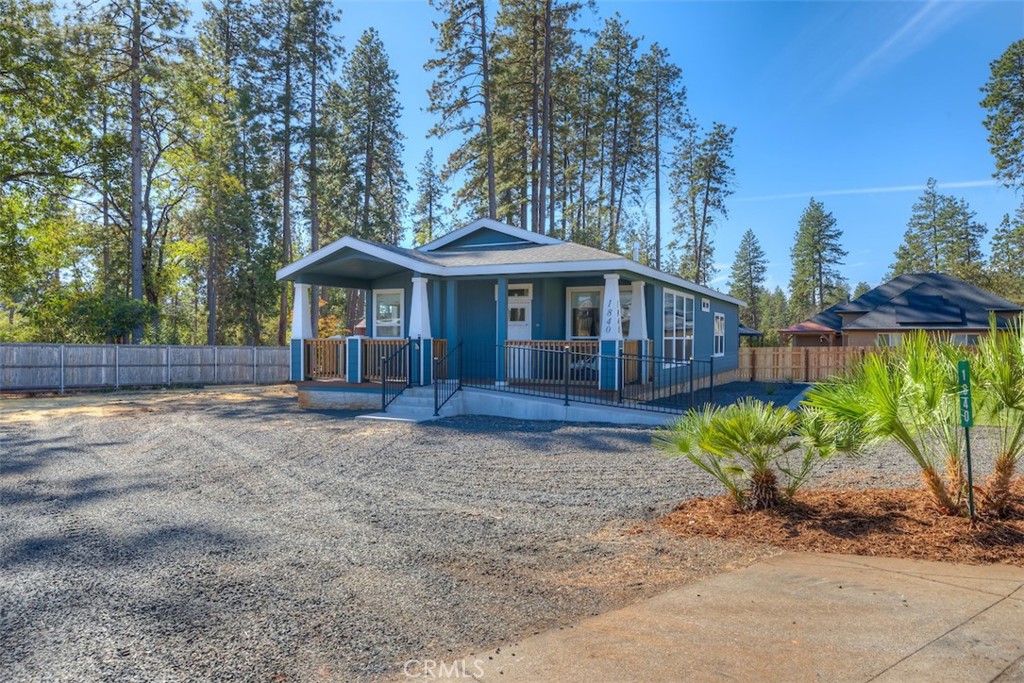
886,522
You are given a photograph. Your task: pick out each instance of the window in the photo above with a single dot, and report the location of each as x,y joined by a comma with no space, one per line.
719,346
387,308
705,305
584,313
625,303
678,312
964,339
888,339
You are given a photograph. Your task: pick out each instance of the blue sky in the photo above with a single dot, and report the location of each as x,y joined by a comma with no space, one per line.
855,103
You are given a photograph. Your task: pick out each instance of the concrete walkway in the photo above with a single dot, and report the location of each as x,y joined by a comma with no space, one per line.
794,617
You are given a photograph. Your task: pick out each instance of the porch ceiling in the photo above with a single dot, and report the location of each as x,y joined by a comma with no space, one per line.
345,268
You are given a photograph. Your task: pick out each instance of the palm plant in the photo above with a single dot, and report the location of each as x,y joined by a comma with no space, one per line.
998,377
747,445
908,396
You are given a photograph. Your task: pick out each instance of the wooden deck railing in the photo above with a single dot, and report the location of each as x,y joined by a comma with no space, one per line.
325,358
373,350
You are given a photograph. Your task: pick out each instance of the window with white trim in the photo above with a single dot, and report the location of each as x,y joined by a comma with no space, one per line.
964,339
888,339
388,306
719,345
626,304
678,315
583,312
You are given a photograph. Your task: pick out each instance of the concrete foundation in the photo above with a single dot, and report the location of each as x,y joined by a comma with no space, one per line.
338,399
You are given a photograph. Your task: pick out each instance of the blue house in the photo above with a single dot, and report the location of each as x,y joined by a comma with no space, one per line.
494,307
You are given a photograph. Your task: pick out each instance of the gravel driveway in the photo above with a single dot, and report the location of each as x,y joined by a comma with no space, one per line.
231,536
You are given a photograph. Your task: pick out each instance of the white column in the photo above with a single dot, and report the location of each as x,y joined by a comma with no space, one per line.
638,312
302,322
419,312
611,310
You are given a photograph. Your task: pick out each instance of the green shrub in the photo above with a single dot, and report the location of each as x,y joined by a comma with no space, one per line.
750,445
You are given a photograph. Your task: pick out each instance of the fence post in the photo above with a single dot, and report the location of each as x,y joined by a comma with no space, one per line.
691,381
214,364
565,372
117,366
254,365
622,370
62,369
459,361
168,365
383,381
711,379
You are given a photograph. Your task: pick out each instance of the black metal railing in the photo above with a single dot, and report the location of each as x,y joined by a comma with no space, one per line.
447,377
641,382
395,374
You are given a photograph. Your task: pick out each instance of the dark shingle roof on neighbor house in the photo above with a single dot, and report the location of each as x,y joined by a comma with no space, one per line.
913,301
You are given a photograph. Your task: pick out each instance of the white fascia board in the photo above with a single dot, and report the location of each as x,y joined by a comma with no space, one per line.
363,247
491,224
599,265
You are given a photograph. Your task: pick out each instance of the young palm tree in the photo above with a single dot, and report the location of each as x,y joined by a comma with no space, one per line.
908,396
998,378
747,445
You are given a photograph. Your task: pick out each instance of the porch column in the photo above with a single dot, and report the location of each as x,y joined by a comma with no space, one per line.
501,334
638,312
638,329
611,334
419,331
451,321
302,328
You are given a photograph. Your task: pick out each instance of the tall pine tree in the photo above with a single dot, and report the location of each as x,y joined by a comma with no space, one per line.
747,278
816,282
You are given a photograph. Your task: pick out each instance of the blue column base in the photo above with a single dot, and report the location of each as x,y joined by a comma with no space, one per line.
609,373
298,367
354,360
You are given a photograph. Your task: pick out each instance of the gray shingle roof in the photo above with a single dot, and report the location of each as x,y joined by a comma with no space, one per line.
918,300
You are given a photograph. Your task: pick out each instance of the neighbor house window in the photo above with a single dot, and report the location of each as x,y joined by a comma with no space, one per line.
719,346
387,312
678,311
964,339
888,339
584,308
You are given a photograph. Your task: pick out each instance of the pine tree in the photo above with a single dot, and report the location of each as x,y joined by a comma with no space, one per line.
1005,274
701,182
430,218
664,99
1004,101
925,237
366,163
747,278
463,82
775,315
816,254
861,289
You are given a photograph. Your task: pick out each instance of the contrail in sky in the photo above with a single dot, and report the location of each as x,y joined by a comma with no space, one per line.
867,190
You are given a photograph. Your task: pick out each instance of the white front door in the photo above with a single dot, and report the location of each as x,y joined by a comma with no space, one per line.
519,359
519,323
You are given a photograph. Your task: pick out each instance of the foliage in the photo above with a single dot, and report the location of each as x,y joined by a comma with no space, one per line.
817,254
908,395
747,278
748,446
1007,253
1004,102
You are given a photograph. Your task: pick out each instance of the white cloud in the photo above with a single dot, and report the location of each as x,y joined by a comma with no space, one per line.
989,182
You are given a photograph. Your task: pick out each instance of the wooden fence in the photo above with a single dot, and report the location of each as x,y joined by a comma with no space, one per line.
56,367
796,364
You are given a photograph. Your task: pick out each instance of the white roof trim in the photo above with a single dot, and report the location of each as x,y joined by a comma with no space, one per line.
361,246
591,265
490,224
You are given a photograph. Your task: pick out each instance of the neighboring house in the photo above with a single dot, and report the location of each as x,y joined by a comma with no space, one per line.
488,287
934,302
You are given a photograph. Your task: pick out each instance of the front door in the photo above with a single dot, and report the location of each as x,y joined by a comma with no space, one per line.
518,359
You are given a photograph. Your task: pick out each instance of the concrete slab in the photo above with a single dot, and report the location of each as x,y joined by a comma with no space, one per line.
793,617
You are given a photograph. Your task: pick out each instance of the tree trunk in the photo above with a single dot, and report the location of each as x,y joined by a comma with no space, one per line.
314,172
135,107
545,138
485,74
286,185
657,172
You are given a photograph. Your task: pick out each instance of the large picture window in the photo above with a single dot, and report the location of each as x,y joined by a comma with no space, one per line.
719,346
387,312
584,313
678,311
